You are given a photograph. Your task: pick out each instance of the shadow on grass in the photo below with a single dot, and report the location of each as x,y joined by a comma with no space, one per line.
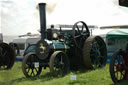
122,83
81,70
76,82
11,82
45,77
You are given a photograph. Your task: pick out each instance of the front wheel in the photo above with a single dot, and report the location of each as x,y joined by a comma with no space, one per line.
118,67
59,64
30,65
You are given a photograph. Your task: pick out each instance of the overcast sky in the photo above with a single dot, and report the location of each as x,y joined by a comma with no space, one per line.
21,16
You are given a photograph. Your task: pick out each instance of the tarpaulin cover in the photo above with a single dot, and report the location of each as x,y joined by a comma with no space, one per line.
119,33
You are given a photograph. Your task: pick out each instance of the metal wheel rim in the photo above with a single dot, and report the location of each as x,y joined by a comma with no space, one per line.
91,61
28,67
59,64
97,55
118,70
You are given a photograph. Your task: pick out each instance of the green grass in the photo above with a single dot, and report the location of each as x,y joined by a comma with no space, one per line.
94,77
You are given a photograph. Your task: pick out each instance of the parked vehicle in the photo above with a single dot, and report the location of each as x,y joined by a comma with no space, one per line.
22,42
64,49
7,55
119,65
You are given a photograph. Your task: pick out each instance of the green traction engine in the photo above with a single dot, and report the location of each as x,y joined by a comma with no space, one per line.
63,49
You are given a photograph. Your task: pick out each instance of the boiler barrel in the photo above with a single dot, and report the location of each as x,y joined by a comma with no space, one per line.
59,46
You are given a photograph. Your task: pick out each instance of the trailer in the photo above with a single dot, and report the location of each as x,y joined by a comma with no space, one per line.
22,42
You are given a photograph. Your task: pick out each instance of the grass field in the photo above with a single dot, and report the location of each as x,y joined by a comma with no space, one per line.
94,77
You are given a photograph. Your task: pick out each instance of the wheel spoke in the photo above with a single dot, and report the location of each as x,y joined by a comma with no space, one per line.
77,36
61,61
36,69
32,71
78,29
28,70
116,75
122,75
117,58
115,71
82,28
4,53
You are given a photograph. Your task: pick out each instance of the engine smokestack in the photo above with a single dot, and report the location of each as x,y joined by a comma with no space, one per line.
42,11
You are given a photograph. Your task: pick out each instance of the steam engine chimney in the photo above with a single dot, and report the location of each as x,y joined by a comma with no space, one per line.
42,20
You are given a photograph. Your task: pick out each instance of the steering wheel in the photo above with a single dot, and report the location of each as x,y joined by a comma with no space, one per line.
80,32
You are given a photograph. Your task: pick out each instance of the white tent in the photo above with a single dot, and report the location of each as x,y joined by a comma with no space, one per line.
23,14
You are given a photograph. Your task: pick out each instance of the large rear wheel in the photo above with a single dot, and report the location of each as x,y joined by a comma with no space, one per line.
94,52
7,56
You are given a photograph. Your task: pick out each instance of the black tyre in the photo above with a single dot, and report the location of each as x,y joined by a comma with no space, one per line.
28,65
94,52
59,64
